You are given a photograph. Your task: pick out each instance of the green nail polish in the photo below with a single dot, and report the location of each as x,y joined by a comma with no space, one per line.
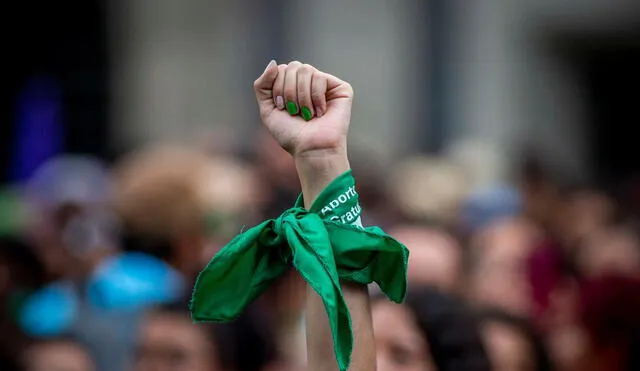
292,108
306,114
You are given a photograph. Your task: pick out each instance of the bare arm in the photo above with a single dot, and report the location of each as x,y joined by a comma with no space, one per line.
313,126
315,174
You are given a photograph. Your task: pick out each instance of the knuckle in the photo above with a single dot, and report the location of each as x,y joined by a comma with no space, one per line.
348,88
306,69
295,64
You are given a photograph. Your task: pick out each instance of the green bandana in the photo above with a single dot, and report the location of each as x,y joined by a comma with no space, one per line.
325,244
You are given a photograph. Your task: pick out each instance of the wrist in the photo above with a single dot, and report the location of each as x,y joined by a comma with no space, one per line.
316,169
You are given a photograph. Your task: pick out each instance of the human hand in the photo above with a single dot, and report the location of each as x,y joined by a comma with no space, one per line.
306,111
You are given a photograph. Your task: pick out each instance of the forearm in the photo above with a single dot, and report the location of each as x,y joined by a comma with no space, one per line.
316,171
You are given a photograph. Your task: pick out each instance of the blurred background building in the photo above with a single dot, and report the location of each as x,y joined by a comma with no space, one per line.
553,77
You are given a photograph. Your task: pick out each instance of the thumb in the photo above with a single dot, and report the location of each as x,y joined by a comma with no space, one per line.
263,86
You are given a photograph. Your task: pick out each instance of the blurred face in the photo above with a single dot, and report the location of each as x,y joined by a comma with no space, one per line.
500,276
170,342
507,348
400,346
60,356
609,251
434,257
582,213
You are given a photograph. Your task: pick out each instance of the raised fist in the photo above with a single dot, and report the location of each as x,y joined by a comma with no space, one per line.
307,111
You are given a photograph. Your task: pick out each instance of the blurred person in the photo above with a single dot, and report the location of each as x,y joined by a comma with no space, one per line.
556,290
169,341
540,193
431,331
21,273
435,256
512,343
614,248
496,265
57,354
609,310
96,291
174,201
590,321
427,189
485,205
373,190
64,192
581,210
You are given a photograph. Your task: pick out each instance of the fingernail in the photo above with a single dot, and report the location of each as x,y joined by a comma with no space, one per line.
306,113
280,102
292,108
269,65
319,112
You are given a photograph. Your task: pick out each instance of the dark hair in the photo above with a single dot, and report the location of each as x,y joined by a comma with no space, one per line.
522,325
246,344
26,267
159,247
450,329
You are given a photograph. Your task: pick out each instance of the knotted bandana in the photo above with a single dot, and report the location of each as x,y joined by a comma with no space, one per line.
325,244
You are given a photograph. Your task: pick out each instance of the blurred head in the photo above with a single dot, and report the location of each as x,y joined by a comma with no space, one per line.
497,263
170,341
580,212
58,355
68,198
428,189
430,332
176,196
487,204
511,343
435,256
611,249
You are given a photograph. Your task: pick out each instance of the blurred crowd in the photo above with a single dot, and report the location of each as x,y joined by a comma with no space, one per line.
98,261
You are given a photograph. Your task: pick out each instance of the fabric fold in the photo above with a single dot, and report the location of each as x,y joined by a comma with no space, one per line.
320,247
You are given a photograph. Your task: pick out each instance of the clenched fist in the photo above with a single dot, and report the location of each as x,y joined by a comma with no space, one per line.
307,111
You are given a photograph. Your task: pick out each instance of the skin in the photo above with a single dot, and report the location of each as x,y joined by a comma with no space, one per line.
400,345
319,150
508,349
435,257
170,342
499,278
58,356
